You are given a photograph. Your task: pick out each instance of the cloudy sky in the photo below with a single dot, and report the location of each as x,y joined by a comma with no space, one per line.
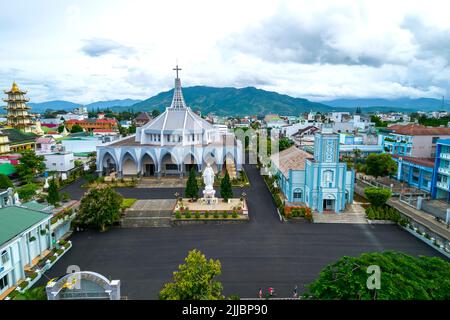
85,51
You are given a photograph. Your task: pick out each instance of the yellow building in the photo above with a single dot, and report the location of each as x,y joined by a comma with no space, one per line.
4,143
18,140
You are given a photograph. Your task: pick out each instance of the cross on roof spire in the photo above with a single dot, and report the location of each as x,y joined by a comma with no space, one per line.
177,69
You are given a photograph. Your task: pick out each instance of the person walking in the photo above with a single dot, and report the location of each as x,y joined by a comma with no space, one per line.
260,293
295,294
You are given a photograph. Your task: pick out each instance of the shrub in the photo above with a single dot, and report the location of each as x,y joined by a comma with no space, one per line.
5,182
206,214
377,196
216,215
62,242
23,284
225,214
187,214
177,215
197,215
234,214
65,196
27,192
60,252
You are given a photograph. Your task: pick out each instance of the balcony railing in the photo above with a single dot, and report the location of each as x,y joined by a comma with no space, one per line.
444,170
443,185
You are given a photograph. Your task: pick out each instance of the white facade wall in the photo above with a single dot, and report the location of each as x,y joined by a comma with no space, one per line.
60,162
423,146
19,252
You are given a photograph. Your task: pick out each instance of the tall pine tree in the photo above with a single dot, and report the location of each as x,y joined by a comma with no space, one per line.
225,187
191,190
53,194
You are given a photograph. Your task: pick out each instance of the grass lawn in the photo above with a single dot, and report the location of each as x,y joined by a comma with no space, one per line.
127,203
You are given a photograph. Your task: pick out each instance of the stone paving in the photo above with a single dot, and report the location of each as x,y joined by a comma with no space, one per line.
353,214
166,182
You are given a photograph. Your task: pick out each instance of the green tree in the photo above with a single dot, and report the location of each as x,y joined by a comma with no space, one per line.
380,165
226,192
53,196
194,280
30,165
155,113
284,143
5,182
60,128
377,196
27,192
132,129
100,208
37,293
191,190
403,277
378,122
76,128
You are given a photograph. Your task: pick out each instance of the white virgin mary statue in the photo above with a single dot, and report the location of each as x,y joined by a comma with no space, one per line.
208,179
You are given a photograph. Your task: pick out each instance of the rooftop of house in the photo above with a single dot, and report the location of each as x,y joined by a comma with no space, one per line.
414,129
16,136
444,141
426,162
91,120
34,205
45,140
290,159
15,220
143,116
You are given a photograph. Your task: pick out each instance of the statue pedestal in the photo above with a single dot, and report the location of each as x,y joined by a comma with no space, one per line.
209,197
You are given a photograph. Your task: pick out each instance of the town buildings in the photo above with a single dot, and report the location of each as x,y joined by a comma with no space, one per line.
414,147
92,124
441,174
24,237
413,140
18,140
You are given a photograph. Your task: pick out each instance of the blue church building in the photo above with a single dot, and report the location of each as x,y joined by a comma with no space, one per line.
319,181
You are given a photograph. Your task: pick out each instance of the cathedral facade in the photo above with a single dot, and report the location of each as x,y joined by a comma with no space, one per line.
171,144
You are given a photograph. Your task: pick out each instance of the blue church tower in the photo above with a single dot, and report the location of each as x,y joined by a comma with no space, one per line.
328,184
319,182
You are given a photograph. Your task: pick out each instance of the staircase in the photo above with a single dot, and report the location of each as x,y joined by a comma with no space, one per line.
231,168
149,213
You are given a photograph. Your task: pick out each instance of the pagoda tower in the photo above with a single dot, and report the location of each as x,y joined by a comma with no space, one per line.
17,109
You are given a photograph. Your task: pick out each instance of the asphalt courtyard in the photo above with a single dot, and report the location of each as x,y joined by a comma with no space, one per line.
261,253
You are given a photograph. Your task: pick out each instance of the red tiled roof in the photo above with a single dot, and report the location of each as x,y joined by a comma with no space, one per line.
49,125
415,129
103,130
143,116
426,162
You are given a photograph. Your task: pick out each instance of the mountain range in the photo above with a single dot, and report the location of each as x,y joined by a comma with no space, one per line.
40,107
249,100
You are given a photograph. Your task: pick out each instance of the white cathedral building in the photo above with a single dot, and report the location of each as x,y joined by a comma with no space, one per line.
171,144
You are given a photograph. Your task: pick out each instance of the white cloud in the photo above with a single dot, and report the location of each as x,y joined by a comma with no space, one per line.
99,50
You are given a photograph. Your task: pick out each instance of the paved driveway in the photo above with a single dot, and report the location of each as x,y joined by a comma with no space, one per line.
257,254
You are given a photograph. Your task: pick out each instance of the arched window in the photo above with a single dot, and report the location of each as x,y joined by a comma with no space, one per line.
4,256
298,194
